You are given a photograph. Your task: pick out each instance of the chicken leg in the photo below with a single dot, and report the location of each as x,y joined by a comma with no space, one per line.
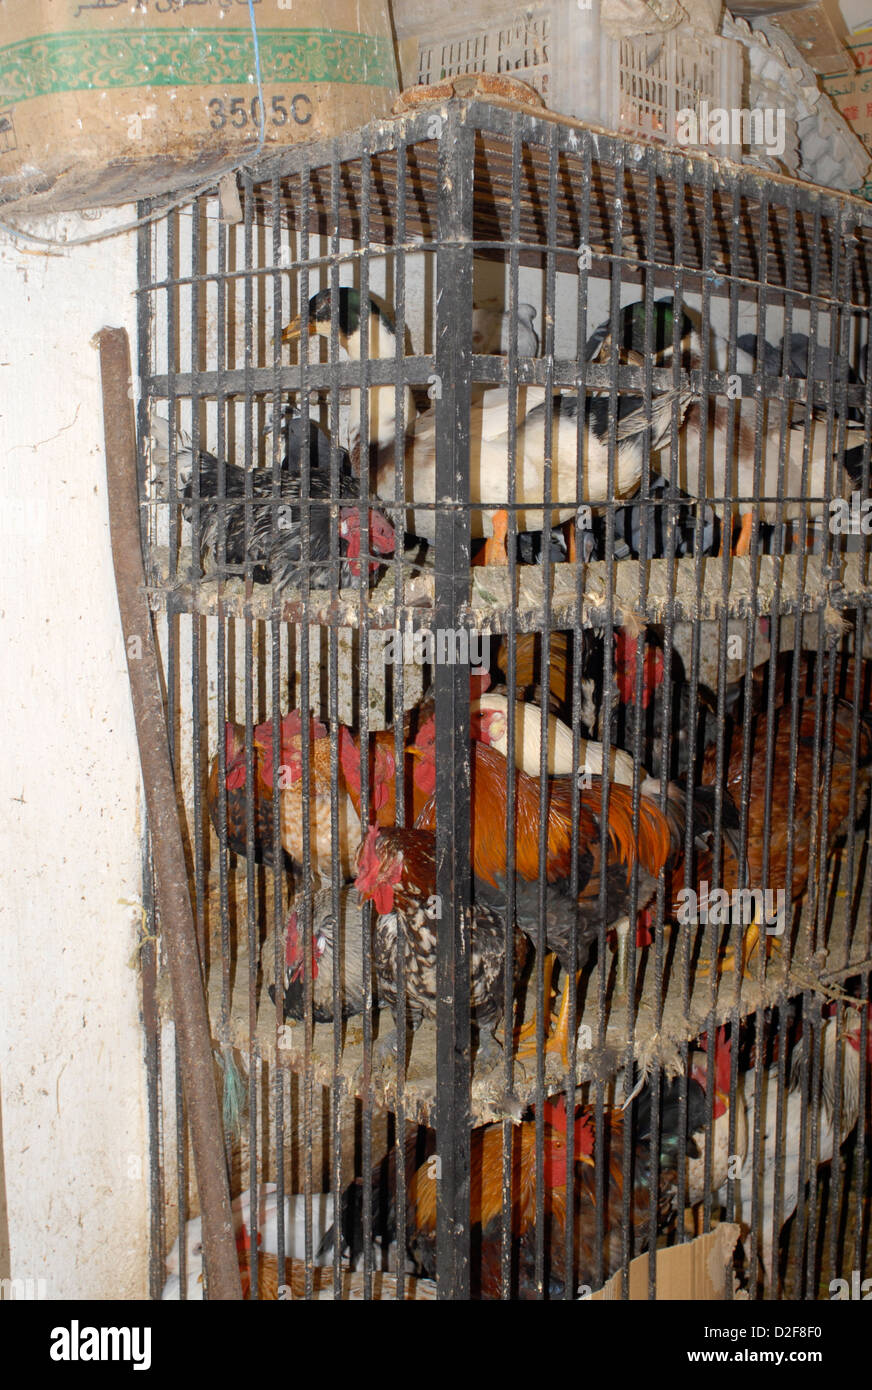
622,965
528,1032
495,551
558,1040
743,544
750,944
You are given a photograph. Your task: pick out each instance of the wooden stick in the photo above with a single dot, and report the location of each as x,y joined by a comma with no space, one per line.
193,1037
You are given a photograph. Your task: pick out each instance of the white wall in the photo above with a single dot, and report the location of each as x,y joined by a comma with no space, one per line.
72,1077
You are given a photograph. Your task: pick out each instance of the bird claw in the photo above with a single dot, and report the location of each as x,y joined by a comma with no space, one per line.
727,957
525,1037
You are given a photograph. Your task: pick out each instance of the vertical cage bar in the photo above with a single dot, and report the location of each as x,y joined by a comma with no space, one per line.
452,554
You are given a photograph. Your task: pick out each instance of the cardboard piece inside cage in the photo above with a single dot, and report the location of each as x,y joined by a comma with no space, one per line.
698,1270
109,101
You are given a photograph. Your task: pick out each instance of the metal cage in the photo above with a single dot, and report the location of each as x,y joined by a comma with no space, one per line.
666,644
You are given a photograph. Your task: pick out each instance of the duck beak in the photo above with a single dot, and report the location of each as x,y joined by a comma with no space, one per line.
293,332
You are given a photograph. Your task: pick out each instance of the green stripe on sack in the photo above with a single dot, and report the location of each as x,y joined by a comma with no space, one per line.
190,58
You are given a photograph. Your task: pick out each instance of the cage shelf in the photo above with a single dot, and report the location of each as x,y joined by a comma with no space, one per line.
662,1023
787,584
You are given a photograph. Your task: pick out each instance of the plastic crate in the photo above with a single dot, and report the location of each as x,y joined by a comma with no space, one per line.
636,85
653,79
523,43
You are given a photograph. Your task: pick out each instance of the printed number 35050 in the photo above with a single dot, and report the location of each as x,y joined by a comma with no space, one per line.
239,111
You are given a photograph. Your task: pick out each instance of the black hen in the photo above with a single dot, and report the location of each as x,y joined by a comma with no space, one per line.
268,529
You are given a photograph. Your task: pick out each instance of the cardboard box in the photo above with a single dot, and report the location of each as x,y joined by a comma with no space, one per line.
818,35
699,1270
106,101
851,93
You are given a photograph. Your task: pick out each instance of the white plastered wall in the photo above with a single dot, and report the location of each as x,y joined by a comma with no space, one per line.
72,1075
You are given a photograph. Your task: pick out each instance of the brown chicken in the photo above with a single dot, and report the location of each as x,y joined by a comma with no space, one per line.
813,671
261,793
563,913
321,798
800,786
347,793
486,1196
528,667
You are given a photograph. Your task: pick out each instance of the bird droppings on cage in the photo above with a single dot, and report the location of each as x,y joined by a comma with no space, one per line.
593,525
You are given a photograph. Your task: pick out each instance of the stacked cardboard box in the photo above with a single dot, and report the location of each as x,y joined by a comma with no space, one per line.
111,100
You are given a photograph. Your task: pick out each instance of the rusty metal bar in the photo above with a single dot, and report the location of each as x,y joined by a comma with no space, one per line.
189,1004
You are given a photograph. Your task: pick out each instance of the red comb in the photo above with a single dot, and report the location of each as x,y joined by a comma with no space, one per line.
292,724
373,881
554,1112
349,758
368,863
723,1061
263,734
234,758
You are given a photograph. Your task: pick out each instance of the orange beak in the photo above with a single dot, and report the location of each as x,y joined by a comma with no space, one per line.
294,330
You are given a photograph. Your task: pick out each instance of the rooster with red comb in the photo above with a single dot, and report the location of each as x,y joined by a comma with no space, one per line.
235,783
571,1222
397,871
332,937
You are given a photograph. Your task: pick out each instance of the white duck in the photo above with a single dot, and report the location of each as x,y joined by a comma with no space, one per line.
489,438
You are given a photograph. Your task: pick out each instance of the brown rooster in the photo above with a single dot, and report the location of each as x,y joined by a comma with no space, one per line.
321,799
262,780
486,1196
782,824
563,914
397,870
528,668
234,782
346,795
